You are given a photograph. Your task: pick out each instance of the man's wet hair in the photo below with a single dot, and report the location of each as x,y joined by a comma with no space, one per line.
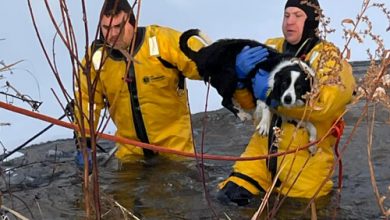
114,7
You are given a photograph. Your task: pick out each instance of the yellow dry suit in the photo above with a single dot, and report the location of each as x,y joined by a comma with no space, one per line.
146,103
301,175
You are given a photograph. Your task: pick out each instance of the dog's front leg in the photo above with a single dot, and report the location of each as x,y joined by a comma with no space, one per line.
265,121
241,113
312,137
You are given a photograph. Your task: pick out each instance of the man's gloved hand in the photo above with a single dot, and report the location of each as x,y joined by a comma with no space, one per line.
260,85
247,59
79,160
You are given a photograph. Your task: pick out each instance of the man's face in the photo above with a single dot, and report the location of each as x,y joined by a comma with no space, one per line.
293,24
117,31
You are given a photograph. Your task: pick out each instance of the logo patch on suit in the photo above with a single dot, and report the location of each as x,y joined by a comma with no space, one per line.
148,79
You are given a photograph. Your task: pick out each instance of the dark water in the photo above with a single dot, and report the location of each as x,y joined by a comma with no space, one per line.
165,189
168,189
173,189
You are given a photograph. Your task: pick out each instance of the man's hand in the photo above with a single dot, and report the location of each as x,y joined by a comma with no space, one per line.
79,160
260,85
248,58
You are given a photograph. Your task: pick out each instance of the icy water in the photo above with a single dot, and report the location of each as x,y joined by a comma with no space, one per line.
174,190
166,189
48,188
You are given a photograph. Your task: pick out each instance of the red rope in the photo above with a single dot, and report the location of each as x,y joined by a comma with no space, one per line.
338,130
144,145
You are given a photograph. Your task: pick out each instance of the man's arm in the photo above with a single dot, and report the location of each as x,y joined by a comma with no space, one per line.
83,91
168,40
333,97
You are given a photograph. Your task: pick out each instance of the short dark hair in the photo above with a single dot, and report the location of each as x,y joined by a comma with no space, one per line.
114,7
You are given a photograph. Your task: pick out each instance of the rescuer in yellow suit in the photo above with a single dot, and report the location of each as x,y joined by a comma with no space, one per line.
301,175
149,102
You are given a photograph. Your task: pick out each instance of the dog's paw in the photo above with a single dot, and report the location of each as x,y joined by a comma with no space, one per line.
258,113
244,116
313,149
263,127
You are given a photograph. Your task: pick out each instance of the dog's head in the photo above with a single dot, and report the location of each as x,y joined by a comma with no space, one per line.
289,81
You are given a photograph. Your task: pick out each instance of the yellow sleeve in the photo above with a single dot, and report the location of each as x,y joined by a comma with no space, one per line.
82,93
245,98
336,86
168,40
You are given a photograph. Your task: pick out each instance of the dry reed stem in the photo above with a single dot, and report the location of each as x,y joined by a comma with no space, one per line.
67,38
373,87
15,213
267,195
370,83
113,203
69,42
8,67
313,211
375,83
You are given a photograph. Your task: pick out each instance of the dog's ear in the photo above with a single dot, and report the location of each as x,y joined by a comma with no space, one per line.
276,92
272,99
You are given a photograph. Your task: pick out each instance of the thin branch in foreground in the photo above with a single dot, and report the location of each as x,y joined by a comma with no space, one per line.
15,213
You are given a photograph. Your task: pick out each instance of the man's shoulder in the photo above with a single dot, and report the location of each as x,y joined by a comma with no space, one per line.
96,45
325,45
276,43
157,29
275,40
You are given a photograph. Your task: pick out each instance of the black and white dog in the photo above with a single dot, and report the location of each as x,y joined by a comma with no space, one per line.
290,82
216,63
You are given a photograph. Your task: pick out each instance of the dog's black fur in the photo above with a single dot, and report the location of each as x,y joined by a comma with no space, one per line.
217,61
281,82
